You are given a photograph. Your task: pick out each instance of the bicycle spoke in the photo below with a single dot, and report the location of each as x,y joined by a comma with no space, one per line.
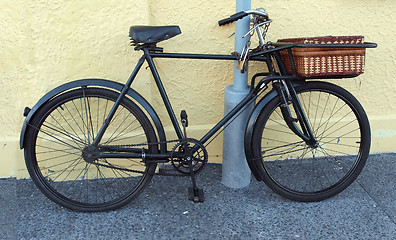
288,151
280,131
282,146
53,150
56,157
55,138
341,127
75,120
75,140
306,109
328,120
321,117
75,137
275,140
87,116
121,133
75,162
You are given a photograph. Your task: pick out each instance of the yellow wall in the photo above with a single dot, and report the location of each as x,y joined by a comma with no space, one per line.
46,43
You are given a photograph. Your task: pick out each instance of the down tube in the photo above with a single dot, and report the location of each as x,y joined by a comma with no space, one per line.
245,102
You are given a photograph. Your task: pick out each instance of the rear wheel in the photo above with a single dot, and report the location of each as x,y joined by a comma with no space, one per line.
300,172
62,163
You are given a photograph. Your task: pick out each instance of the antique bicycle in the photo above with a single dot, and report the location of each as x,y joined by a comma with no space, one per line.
94,144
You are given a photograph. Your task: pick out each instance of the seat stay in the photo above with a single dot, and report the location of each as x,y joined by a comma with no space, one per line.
113,110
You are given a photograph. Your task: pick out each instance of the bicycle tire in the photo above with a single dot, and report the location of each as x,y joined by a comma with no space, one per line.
57,136
298,172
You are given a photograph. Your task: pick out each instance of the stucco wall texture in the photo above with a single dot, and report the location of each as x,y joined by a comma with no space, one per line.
46,43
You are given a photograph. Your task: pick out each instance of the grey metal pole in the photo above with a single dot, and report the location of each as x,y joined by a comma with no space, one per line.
235,170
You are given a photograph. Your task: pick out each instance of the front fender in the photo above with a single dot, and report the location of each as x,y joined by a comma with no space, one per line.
249,132
97,83
255,164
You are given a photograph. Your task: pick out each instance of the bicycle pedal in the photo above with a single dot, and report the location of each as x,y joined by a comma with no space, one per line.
196,195
184,121
183,116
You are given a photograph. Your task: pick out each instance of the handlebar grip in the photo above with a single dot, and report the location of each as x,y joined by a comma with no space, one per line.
225,21
233,18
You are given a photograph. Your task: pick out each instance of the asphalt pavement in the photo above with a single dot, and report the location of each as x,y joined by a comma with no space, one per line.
365,210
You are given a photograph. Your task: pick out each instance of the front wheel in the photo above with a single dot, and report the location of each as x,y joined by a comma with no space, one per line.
298,171
58,150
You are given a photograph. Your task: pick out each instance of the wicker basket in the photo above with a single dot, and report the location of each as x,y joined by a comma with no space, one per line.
317,62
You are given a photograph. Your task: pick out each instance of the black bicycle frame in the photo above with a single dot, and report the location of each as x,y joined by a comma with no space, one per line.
149,54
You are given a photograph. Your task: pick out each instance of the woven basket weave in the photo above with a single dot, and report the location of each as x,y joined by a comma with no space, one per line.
314,62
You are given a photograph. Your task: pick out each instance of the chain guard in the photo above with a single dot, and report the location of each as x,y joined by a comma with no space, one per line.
177,155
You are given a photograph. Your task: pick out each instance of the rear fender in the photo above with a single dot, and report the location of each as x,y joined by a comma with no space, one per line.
96,83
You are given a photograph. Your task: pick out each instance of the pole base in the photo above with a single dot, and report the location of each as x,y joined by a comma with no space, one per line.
235,170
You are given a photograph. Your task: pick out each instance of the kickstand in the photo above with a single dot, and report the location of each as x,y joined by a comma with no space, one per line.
195,194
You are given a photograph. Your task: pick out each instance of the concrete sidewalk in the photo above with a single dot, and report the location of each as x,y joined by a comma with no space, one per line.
365,210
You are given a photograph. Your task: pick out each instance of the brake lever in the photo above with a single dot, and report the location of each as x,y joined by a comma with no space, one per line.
255,27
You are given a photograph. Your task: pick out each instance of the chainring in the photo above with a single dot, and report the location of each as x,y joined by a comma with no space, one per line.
189,150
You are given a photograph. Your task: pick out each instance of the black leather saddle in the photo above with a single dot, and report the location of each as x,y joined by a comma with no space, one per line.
152,34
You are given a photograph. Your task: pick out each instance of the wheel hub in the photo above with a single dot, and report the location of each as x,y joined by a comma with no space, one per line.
90,154
314,144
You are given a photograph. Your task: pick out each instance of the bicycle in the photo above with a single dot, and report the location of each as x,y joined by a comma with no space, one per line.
94,144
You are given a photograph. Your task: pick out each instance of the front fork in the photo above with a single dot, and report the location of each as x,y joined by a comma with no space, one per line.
288,97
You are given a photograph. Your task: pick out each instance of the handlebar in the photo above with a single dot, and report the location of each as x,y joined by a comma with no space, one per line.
242,14
233,18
